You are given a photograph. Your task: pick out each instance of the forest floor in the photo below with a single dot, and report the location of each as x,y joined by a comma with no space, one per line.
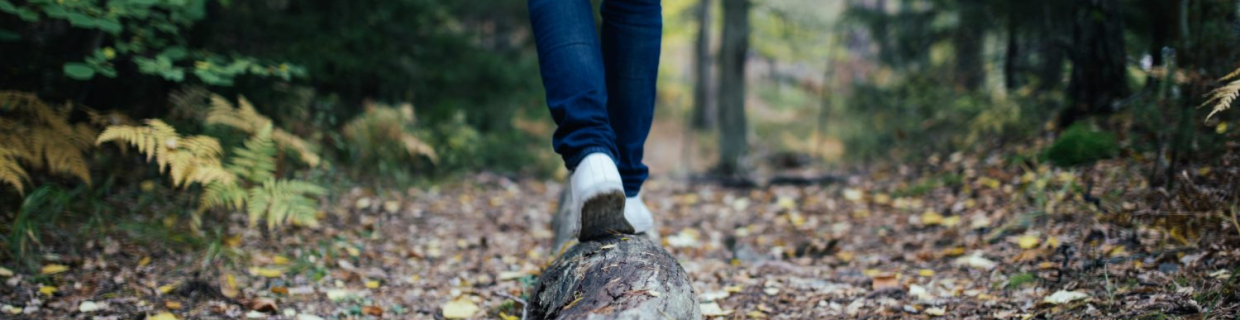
969,240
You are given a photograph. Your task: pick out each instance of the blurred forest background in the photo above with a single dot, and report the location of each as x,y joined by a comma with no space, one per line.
156,117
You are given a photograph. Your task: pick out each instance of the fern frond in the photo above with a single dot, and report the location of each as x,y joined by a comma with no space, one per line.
40,136
256,160
186,160
222,194
284,201
10,172
247,119
1222,97
1231,75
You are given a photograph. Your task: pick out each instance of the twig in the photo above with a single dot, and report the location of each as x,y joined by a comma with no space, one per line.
525,306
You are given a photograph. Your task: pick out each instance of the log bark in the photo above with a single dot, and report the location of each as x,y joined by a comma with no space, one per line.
616,277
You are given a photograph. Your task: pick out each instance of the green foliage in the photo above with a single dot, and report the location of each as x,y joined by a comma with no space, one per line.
919,115
1079,145
147,32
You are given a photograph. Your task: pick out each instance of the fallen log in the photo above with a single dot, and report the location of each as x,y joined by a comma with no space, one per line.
616,277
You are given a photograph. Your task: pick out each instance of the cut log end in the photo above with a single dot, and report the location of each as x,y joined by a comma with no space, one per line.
615,277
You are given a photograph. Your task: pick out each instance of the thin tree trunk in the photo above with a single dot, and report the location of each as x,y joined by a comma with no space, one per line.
1010,78
968,42
733,143
1098,59
703,106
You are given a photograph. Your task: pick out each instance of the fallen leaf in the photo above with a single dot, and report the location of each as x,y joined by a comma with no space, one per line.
920,292
936,311
1062,297
5,272
505,316
263,305
89,306
509,275
145,261
607,247
460,308
653,293
372,284
47,290
885,281
165,289
266,272
1027,241
372,311
930,218
712,309
304,316
255,315
279,260
172,305
163,316
925,272
54,269
975,260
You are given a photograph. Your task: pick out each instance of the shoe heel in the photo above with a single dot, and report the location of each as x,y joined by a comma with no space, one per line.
603,215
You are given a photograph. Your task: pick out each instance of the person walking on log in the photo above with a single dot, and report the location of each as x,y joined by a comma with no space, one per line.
601,94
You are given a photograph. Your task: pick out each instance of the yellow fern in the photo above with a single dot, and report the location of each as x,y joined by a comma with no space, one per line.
187,160
40,136
10,172
1222,97
376,130
245,118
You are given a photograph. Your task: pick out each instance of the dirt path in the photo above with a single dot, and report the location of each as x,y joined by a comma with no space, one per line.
855,250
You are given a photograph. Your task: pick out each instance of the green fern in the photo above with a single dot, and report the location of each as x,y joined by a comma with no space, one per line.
248,182
280,201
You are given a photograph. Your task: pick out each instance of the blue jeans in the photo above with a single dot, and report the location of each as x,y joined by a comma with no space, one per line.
601,93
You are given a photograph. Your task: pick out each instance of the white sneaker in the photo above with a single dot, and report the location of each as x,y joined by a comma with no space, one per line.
597,193
638,215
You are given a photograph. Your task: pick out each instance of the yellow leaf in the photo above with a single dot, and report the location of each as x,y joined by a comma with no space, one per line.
145,261
352,251
1027,241
163,316
460,308
372,284
931,218
279,260
1053,242
954,252
607,246
47,290
266,272
4,272
54,269
936,311
845,256
1220,128
168,287
505,316
951,221
1061,297
712,309
925,272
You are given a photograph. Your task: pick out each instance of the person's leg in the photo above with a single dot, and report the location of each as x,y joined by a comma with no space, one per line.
632,36
571,64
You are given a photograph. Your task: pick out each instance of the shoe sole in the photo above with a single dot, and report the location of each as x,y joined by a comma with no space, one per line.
603,215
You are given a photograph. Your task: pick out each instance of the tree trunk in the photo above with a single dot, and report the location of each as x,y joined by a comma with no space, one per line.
1098,59
615,278
703,107
733,142
968,43
1011,79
